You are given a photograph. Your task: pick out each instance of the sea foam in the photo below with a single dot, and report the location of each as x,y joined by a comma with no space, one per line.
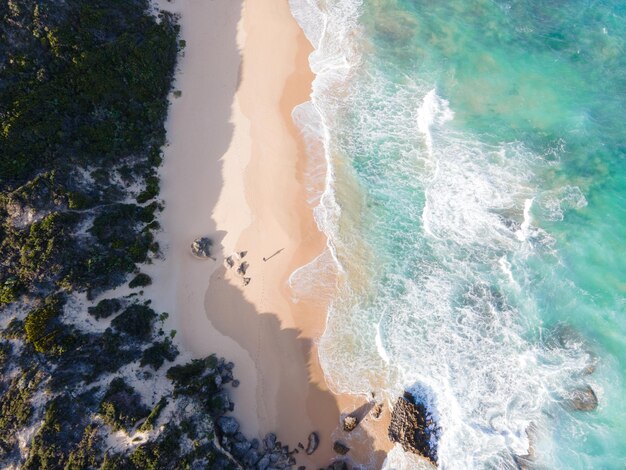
432,231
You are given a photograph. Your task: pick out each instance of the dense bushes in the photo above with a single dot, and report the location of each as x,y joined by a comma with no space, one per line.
43,330
83,99
140,280
156,354
16,409
105,308
135,321
121,406
92,87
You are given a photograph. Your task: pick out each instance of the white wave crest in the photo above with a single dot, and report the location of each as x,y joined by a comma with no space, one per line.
556,202
446,313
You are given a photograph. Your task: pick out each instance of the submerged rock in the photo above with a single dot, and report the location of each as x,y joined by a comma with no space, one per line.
314,441
526,461
349,423
412,428
583,399
201,247
341,448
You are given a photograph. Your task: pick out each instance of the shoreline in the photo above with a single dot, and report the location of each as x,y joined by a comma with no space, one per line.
234,171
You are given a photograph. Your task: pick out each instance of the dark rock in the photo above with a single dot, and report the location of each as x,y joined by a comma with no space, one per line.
228,425
301,467
230,262
246,280
240,448
377,410
314,441
263,463
339,465
583,399
409,427
243,267
340,448
239,437
243,254
254,443
251,458
222,397
235,383
526,462
301,445
349,423
270,440
201,247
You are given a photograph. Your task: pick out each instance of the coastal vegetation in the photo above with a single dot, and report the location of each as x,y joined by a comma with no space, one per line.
87,379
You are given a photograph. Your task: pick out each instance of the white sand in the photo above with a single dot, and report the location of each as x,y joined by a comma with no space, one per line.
234,171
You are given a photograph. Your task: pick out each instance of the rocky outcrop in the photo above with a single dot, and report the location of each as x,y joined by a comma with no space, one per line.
339,465
228,425
526,462
412,427
349,423
314,441
201,247
583,399
243,267
341,448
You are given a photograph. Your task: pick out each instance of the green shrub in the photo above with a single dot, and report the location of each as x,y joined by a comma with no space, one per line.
105,308
121,406
135,321
78,201
148,424
15,406
190,378
10,291
163,453
156,354
140,280
86,454
14,330
151,191
44,331
5,353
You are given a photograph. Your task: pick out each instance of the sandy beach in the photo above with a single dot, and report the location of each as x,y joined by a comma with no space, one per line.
234,171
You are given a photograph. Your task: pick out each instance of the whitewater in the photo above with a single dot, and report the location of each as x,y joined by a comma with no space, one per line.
467,165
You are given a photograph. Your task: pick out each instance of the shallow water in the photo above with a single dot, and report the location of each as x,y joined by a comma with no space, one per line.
474,197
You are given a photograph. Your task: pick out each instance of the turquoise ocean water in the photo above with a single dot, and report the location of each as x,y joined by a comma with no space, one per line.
468,165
